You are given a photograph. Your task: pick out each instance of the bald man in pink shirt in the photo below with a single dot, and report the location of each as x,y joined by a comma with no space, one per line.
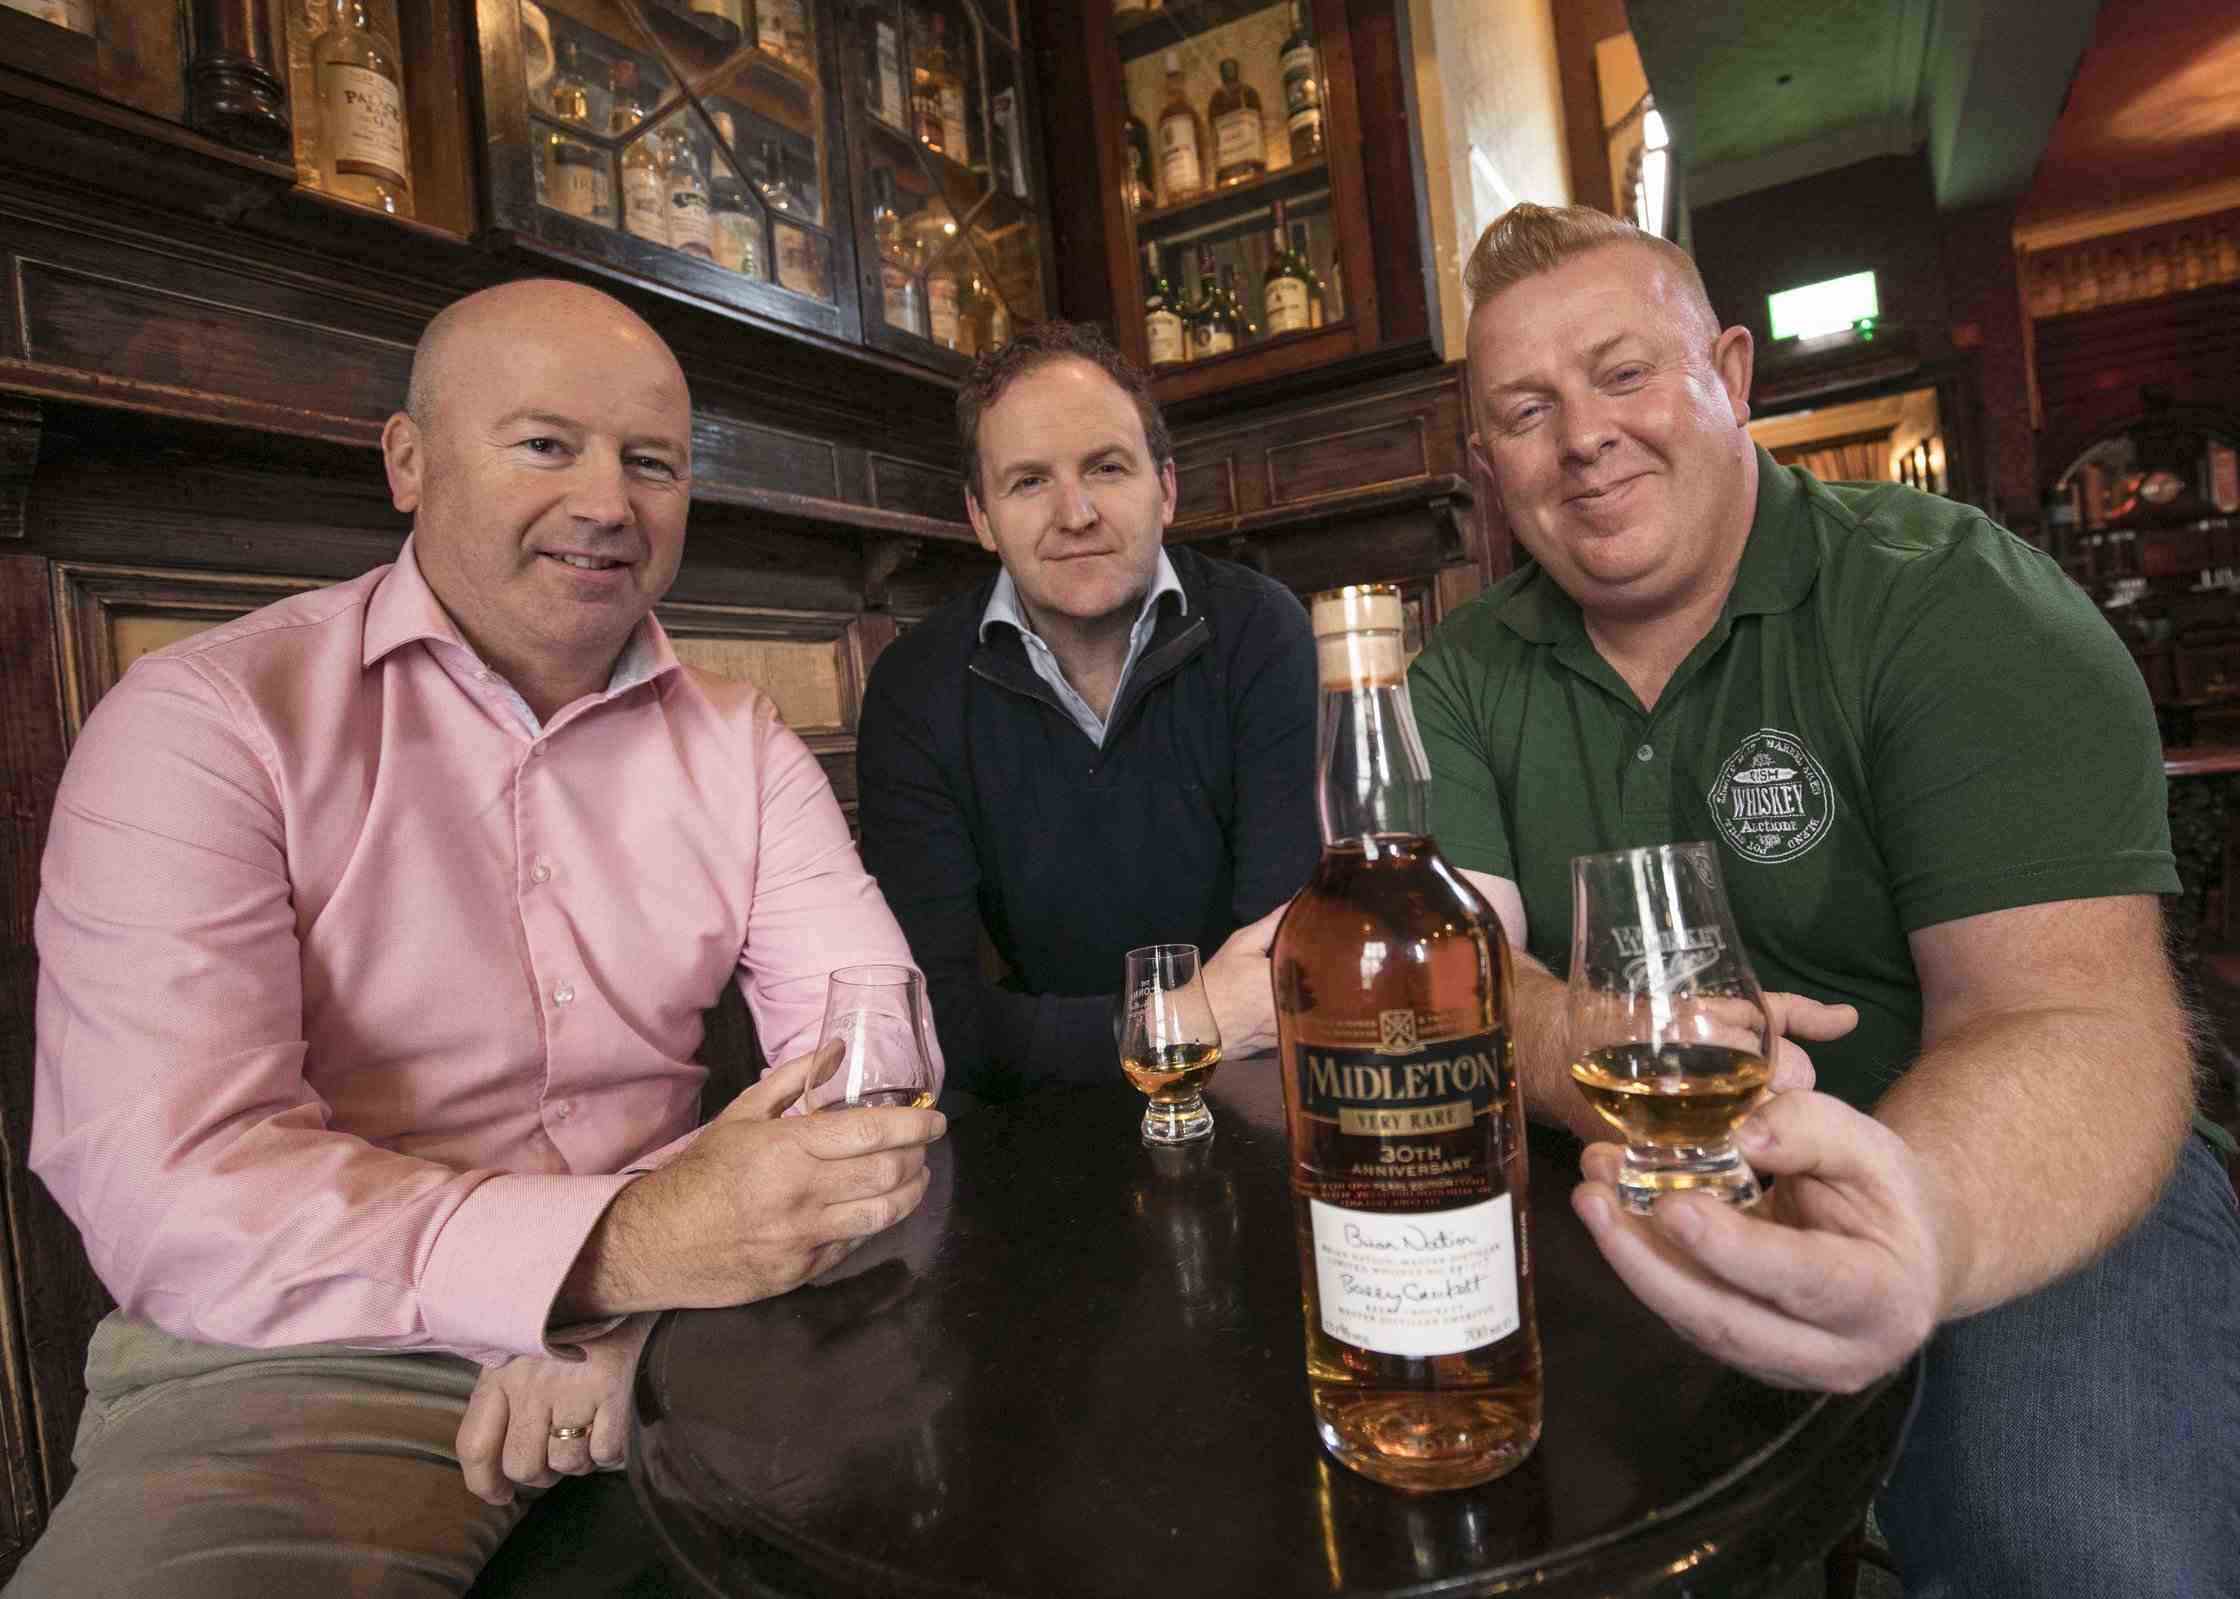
375,932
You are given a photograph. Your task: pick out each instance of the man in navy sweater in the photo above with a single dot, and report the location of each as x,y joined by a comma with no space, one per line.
1106,745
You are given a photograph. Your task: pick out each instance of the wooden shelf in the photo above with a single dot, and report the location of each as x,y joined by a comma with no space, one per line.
1142,33
1223,208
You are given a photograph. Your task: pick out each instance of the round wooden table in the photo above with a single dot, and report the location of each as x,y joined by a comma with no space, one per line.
1077,1369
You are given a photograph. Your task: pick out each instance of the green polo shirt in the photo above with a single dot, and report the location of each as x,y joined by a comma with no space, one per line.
1904,715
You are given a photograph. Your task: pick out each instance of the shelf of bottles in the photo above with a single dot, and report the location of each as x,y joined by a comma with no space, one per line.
1224,175
948,199
2150,512
693,125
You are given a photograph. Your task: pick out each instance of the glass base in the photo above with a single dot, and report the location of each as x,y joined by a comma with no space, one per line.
1719,1170
1428,1443
1177,1121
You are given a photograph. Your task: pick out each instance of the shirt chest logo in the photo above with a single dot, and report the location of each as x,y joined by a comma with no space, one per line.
1772,801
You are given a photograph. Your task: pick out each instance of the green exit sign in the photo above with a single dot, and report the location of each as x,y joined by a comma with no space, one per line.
1822,308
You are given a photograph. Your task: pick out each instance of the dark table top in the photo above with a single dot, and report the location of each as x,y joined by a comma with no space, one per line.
1078,1369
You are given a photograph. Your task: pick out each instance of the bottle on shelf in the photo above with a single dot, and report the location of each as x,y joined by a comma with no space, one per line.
886,74
1162,323
992,318
1138,189
1242,324
645,186
781,30
685,189
1285,297
945,305
724,21
365,155
1214,329
1010,150
575,175
1240,138
800,263
901,299
936,93
1392,1000
1302,87
734,221
1317,292
1182,140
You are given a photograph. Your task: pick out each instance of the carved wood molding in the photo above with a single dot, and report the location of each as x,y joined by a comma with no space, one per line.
20,423
90,600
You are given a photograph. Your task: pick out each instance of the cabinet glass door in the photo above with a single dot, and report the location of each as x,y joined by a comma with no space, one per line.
1225,175
950,232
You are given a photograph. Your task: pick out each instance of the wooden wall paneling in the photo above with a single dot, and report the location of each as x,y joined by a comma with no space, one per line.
1206,487
903,485
49,1298
20,423
732,453
1349,458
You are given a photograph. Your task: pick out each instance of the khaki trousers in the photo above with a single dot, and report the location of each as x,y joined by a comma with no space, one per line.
210,1472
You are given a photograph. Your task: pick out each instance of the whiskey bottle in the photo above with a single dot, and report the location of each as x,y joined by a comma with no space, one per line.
1302,87
930,90
1408,1157
645,187
1283,290
1318,293
1138,189
945,307
1182,141
1240,140
361,106
734,222
956,136
1162,324
901,300
886,73
724,21
575,173
685,191
780,29
1214,331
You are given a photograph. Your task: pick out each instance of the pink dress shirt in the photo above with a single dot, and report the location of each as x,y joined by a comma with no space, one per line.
361,996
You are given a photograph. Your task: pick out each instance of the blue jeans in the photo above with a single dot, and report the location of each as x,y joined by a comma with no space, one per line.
2084,1442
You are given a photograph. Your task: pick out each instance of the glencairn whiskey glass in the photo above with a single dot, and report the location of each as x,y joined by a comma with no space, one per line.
879,1015
1669,1037
1169,1044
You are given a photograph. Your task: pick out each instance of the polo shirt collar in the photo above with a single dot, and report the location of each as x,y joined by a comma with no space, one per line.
1003,603
404,610
1779,562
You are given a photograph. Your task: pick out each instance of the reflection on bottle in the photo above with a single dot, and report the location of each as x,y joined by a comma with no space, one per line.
734,222
645,193
902,301
685,189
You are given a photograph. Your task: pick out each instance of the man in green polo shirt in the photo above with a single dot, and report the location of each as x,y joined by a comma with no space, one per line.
1933,778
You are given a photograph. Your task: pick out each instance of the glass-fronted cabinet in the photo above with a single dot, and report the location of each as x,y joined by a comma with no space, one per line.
859,171
1235,182
946,177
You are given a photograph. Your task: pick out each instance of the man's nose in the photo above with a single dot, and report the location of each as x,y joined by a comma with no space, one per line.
600,491
1585,428
1075,508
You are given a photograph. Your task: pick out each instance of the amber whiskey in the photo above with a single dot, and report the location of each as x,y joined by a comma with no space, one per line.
1285,297
361,112
1405,1116
1182,140
1240,139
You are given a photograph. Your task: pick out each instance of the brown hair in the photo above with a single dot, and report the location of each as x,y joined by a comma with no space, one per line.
1527,240
1035,346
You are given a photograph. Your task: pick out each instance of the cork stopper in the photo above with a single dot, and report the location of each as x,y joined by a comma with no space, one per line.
1357,636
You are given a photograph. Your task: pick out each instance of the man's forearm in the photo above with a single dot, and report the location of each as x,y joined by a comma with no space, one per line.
619,1270
2044,1136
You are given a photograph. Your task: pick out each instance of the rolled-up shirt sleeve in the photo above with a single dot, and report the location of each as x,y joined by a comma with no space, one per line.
174,1123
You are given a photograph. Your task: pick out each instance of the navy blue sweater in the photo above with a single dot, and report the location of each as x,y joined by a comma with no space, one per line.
984,806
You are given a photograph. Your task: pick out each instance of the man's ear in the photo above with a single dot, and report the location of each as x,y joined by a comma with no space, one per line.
1734,357
979,519
404,456
1168,497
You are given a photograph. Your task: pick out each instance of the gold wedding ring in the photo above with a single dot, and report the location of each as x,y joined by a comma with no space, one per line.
571,1432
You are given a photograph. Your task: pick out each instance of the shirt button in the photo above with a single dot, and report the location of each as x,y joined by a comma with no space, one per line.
540,873
563,994
564,1109
482,677
1647,752
537,748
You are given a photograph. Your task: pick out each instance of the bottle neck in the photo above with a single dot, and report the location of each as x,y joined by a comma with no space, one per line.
1375,778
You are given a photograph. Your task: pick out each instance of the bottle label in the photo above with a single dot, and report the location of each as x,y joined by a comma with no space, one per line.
1239,139
1214,340
1434,1282
688,220
732,241
770,26
575,188
1163,331
955,143
645,208
899,297
1300,89
890,75
797,263
1178,157
1287,305
365,124
941,306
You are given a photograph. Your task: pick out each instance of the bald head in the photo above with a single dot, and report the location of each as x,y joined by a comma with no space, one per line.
483,327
